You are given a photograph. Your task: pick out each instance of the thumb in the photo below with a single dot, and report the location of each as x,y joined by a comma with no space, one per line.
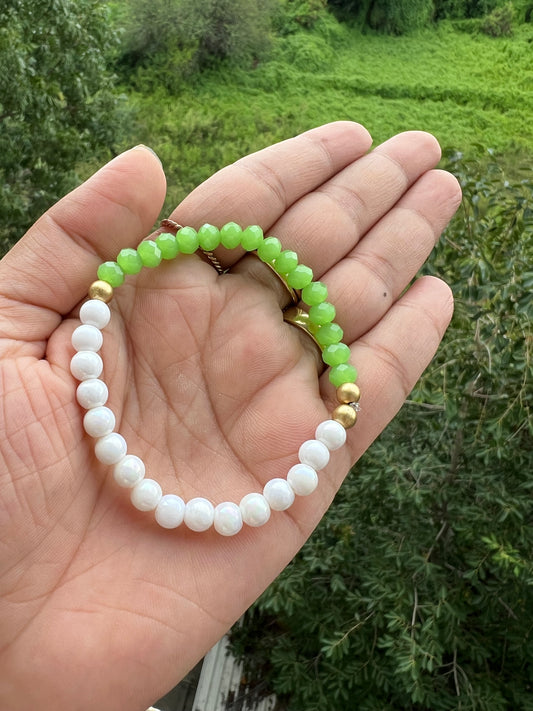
48,271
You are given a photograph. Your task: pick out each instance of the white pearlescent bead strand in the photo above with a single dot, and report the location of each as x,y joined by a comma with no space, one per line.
95,312
228,518
199,514
279,494
255,510
87,338
332,434
92,393
170,510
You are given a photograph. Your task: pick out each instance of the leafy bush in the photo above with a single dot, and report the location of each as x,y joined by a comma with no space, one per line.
390,16
306,52
398,18
464,9
57,101
170,41
500,22
416,591
292,15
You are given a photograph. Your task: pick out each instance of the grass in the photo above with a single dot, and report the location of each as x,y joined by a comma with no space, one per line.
471,91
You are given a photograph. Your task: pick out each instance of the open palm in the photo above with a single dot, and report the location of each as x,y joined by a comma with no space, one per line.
99,607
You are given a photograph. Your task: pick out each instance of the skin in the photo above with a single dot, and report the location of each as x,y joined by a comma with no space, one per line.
99,607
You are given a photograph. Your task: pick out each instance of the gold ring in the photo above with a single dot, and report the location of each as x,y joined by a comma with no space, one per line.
294,294
295,316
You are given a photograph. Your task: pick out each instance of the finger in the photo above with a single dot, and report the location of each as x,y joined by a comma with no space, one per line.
49,270
325,225
261,273
308,343
391,357
364,285
259,188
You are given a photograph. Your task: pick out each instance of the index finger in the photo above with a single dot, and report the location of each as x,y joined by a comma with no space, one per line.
259,188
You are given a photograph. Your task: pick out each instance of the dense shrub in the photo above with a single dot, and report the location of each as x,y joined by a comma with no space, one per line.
169,41
57,102
400,17
388,16
292,15
464,9
416,592
500,22
397,18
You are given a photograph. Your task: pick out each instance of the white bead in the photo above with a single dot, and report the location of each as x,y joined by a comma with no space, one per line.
99,421
170,511
130,470
111,448
254,509
303,479
95,313
199,514
85,365
87,338
228,519
279,494
314,453
92,393
331,433
146,495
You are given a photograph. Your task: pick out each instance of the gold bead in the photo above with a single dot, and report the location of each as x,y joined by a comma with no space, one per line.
346,415
348,392
101,290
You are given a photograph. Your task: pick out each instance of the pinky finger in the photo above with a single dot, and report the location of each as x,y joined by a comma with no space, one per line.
392,356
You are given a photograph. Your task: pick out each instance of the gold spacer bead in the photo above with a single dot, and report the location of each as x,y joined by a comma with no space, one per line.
348,392
345,415
101,290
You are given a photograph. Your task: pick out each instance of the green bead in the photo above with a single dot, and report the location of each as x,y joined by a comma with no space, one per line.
230,235
168,245
300,276
343,373
286,262
150,253
252,237
187,239
269,249
209,237
335,354
313,327
111,273
129,261
328,334
315,293
322,313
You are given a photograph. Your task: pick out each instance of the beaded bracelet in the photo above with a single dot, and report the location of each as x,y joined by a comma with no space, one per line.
199,514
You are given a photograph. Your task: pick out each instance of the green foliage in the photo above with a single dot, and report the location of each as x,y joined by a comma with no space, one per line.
170,40
464,9
389,16
56,101
398,18
455,85
292,15
416,591
500,22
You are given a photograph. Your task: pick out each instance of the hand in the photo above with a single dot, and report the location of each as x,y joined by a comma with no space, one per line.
99,607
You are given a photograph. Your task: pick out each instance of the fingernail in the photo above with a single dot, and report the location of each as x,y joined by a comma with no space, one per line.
147,148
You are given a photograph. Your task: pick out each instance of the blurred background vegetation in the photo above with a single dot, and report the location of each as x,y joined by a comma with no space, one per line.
415,592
